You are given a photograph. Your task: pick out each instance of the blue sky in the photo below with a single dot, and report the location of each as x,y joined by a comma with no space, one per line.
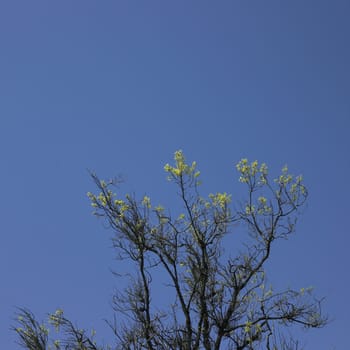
118,86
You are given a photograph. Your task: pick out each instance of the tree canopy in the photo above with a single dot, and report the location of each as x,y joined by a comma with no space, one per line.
218,299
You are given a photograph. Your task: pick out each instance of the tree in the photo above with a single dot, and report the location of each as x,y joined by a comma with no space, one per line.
219,300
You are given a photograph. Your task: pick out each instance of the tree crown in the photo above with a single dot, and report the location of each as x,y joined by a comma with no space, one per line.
218,300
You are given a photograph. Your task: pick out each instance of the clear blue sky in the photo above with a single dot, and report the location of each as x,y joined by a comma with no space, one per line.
117,86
